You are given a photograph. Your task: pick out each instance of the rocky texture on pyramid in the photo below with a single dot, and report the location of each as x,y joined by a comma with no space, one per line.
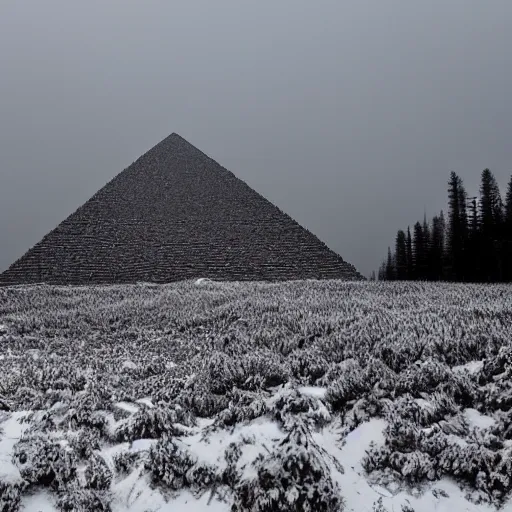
172,215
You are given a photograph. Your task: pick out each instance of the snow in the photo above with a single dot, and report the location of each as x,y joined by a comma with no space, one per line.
313,392
260,433
240,335
134,494
145,401
10,431
39,502
360,493
129,365
202,280
125,406
478,420
472,367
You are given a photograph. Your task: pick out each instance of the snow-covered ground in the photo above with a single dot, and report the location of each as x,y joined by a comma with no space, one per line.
205,396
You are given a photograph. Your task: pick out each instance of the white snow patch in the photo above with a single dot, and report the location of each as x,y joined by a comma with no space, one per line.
478,420
472,367
10,432
360,494
187,502
39,502
145,401
259,433
129,365
134,494
127,406
140,445
202,280
313,391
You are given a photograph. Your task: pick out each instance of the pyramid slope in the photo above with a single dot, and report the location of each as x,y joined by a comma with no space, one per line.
176,214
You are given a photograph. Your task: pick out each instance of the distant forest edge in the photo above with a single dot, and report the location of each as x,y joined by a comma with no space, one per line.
473,245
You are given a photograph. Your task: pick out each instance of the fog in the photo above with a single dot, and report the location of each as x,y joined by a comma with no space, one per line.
347,115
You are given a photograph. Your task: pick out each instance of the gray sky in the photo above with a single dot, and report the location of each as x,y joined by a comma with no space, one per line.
348,115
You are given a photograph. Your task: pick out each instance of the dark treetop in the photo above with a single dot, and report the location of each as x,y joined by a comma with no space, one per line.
176,214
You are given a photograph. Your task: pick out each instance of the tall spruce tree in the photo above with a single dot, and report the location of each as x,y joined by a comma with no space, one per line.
473,244
436,249
390,266
401,256
426,249
491,218
410,262
457,232
419,270
382,271
507,234
508,211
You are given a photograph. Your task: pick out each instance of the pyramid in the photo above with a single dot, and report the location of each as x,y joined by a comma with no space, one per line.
172,215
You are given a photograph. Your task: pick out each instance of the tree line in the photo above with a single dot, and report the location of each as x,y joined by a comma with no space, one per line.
472,244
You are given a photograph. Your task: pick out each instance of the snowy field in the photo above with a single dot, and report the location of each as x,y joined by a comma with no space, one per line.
305,396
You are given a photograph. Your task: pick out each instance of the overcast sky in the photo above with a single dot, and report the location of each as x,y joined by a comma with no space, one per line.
348,115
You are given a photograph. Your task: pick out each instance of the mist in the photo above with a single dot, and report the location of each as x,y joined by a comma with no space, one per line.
347,115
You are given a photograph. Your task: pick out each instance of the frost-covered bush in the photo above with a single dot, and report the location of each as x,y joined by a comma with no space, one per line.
258,370
289,404
308,365
154,423
97,474
83,500
295,477
10,496
349,385
85,441
243,406
169,463
125,462
43,461
416,355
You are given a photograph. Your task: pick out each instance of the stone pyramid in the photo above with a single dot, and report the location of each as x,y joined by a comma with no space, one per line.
176,214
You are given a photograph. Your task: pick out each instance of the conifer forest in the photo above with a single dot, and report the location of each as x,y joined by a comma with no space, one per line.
472,242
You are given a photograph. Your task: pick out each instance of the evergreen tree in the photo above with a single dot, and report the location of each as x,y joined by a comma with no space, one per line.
508,211
401,256
507,234
410,262
419,258
426,270
382,271
491,217
390,267
457,233
473,244
491,207
436,249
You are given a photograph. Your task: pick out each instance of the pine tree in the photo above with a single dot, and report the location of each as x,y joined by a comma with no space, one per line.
457,233
426,270
473,244
419,270
507,234
382,271
410,262
508,211
390,266
401,256
436,249
491,216
491,206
